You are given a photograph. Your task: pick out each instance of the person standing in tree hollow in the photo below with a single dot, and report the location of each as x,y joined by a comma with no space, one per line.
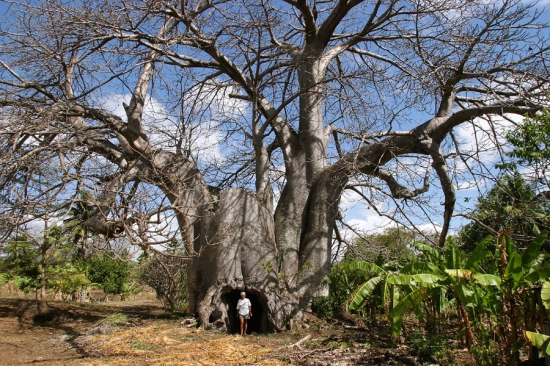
244,312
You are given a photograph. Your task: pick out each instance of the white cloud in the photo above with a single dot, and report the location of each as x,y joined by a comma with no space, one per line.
203,139
480,137
365,220
430,228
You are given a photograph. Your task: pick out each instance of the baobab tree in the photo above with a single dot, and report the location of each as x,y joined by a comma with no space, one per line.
305,98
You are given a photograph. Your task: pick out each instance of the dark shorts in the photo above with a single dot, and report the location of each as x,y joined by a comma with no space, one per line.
247,316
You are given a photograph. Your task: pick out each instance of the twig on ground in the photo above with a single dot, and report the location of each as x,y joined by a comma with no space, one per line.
355,327
298,344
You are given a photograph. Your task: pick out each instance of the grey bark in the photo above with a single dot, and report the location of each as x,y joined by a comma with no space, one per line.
238,252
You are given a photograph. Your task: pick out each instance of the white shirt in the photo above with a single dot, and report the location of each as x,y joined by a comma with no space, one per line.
243,306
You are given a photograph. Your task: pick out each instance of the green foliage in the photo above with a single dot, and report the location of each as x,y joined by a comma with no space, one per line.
531,140
22,261
323,306
390,245
357,285
109,274
510,204
488,290
485,352
113,319
69,278
58,260
429,346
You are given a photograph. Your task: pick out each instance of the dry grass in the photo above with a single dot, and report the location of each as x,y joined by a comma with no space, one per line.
165,344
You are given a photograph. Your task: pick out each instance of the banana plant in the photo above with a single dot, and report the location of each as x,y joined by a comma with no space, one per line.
379,276
439,276
484,283
445,276
522,275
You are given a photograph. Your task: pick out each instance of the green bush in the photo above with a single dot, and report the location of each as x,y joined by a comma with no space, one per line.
323,306
110,274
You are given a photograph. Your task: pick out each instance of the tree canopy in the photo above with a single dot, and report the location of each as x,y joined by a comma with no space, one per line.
511,204
162,109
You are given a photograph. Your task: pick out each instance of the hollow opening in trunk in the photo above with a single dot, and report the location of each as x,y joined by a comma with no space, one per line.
257,323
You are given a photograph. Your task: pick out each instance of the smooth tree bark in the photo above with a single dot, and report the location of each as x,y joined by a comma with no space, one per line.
307,96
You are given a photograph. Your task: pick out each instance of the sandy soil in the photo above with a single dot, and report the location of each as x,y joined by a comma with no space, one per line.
26,338
80,334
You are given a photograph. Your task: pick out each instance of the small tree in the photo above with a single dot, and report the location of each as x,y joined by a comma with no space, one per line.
21,261
74,225
31,258
110,274
69,278
531,141
167,275
512,204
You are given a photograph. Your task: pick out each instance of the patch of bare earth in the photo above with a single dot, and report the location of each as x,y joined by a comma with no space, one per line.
143,333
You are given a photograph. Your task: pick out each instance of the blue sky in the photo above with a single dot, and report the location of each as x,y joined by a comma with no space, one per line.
211,148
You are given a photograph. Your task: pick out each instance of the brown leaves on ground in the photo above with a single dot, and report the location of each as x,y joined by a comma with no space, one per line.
169,344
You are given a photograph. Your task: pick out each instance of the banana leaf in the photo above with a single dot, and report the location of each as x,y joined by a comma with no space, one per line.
533,250
459,273
359,297
421,279
545,294
422,267
538,275
440,300
409,302
396,322
452,257
385,294
539,340
427,249
479,253
367,266
508,245
487,279
514,270
463,293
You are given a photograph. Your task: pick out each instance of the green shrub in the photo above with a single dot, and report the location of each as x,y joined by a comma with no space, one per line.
110,274
323,306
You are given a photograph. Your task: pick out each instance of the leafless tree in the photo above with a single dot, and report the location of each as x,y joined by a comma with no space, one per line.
303,100
166,275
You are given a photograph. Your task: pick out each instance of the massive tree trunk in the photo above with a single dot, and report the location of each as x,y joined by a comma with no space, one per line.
238,252
238,247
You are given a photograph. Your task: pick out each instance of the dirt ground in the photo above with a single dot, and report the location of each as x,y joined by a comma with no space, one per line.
141,332
56,339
